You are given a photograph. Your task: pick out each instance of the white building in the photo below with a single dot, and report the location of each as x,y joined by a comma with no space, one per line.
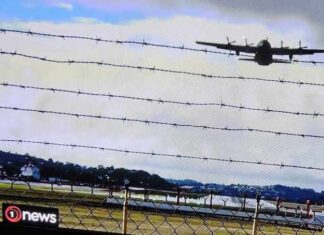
30,171
2,171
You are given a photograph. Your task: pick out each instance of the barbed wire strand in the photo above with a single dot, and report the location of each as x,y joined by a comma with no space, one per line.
164,101
153,69
152,153
142,43
172,124
121,42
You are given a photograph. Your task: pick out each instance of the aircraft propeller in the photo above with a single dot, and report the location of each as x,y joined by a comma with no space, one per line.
228,41
248,44
300,47
281,42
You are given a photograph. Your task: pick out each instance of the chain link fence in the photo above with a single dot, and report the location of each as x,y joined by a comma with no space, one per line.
126,210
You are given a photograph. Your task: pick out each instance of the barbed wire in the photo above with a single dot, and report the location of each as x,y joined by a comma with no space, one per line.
172,124
152,153
314,62
98,40
142,43
155,69
306,61
164,101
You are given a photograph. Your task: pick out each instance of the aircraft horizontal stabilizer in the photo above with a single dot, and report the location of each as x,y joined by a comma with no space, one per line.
273,61
247,59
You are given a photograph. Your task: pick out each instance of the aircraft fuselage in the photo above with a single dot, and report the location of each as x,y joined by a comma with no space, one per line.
263,52
263,55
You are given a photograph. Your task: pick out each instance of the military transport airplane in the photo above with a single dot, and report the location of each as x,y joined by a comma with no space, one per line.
263,51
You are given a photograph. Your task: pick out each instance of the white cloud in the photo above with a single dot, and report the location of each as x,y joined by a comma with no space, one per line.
63,5
85,20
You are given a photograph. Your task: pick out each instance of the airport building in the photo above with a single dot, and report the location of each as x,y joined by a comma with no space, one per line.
30,171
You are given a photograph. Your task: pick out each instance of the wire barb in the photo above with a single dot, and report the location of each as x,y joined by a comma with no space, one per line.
161,123
172,71
143,43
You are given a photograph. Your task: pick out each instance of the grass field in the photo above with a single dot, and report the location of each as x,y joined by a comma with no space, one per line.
88,211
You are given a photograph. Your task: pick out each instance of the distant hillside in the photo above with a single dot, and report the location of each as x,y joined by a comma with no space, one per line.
12,163
185,182
292,194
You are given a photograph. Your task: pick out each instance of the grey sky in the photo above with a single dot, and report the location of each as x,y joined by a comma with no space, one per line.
210,22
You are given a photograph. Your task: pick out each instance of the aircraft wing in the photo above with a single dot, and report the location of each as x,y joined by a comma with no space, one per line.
294,51
231,47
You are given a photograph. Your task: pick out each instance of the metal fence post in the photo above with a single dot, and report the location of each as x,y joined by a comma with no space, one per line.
211,200
110,187
278,205
146,195
308,203
125,207
244,201
178,195
256,213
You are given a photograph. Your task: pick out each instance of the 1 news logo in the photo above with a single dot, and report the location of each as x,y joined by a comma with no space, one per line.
30,215
13,214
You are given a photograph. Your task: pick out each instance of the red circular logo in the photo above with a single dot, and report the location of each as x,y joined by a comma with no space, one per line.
13,214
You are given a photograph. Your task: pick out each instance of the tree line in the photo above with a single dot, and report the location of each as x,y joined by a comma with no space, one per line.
75,173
